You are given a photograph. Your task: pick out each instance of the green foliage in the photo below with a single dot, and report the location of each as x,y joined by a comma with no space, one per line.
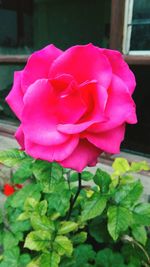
53,222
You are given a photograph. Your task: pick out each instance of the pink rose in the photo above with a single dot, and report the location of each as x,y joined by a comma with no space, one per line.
73,105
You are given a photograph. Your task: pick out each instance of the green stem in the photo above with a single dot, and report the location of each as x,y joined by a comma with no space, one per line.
73,200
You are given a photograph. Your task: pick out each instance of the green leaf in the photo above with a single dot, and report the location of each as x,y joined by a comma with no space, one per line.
42,223
93,207
67,227
42,207
38,240
51,259
107,258
12,157
141,214
97,228
11,257
24,172
34,263
119,218
20,226
48,174
121,166
140,234
79,238
128,194
1,216
9,240
86,176
24,260
30,204
103,180
140,166
63,245
59,201
83,255
30,190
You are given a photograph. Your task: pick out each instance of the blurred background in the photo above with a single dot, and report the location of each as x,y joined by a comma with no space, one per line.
28,25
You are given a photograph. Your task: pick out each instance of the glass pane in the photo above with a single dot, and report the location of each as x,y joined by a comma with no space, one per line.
6,78
140,37
16,26
31,24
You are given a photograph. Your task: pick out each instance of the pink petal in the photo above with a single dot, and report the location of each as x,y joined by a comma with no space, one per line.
70,105
120,107
84,155
84,63
53,152
95,97
15,97
39,115
121,68
38,65
108,141
19,135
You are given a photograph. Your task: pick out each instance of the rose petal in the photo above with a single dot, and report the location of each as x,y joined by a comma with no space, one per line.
121,68
84,63
53,152
39,115
108,141
84,155
38,65
70,105
120,107
15,97
19,135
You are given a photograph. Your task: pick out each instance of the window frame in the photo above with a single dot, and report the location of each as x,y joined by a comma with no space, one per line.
118,32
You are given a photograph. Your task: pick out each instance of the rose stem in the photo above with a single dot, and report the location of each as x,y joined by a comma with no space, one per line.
73,200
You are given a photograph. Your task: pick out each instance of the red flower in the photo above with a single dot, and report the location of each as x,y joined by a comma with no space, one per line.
8,190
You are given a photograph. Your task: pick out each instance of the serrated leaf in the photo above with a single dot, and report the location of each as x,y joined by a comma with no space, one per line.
79,238
119,218
83,255
24,260
35,262
141,214
9,240
103,180
24,172
51,259
48,174
67,227
42,223
86,176
23,216
42,207
30,190
129,194
38,240
107,258
121,166
12,157
63,245
140,234
30,204
140,166
97,228
11,257
59,201
93,207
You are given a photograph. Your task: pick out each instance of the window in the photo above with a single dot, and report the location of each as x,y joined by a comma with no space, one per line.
16,27
136,38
